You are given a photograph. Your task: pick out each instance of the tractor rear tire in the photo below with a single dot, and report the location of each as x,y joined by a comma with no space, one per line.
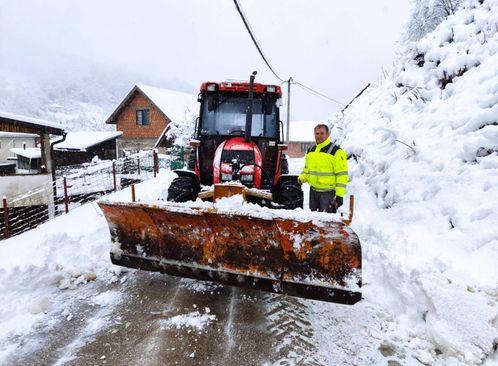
183,189
290,195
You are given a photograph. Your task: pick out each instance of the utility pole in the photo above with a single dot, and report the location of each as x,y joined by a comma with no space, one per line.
288,110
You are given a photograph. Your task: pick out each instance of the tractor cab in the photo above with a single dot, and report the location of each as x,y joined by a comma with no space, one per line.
223,125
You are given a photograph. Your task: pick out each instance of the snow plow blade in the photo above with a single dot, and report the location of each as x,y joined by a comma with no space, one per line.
280,255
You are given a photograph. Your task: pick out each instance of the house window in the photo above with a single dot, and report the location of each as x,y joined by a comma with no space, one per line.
305,146
143,117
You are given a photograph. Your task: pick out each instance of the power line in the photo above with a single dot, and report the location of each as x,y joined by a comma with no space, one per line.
248,27
313,91
260,50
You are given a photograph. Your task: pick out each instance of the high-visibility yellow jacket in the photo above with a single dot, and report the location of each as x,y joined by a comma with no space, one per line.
326,168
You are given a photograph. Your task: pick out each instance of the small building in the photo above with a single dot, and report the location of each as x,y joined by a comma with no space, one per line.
28,159
13,186
11,140
301,137
82,146
43,129
146,111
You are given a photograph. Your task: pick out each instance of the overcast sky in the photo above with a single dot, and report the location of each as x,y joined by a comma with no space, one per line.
336,47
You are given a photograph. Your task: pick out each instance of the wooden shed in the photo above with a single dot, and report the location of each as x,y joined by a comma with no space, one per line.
83,146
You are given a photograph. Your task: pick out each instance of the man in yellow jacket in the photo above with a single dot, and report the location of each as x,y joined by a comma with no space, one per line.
326,171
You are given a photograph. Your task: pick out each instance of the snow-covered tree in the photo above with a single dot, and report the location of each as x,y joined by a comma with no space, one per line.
427,15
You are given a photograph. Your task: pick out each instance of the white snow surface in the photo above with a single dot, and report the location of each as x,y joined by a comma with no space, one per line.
81,140
40,265
17,134
29,152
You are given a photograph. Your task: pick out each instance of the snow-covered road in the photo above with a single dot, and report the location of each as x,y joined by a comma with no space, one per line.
64,303
152,319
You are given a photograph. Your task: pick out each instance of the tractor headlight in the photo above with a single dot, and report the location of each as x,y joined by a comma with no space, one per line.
270,89
211,87
246,177
226,177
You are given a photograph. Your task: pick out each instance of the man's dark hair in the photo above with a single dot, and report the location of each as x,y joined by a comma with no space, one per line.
322,125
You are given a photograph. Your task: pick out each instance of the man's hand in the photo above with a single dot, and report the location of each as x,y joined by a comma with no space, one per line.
300,180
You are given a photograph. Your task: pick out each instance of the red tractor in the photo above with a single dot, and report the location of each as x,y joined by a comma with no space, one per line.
238,138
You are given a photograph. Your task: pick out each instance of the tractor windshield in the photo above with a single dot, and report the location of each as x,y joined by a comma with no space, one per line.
227,116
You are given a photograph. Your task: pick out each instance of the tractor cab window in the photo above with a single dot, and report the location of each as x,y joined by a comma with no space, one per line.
227,116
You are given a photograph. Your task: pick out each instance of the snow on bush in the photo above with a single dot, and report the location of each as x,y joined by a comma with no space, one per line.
424,165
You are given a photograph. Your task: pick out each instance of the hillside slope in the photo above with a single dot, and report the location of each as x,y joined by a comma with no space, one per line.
76,92
424,143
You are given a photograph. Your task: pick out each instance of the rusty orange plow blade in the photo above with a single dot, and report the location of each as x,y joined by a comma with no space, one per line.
280,255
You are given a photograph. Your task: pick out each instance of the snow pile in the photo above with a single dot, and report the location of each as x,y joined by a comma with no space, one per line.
424,169
37,265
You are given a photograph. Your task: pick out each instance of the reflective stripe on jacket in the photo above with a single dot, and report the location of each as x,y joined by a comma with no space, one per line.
326,168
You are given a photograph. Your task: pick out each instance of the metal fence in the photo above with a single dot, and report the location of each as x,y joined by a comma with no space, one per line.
74,185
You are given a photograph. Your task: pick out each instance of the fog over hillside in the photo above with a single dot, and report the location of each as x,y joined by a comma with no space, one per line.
77,92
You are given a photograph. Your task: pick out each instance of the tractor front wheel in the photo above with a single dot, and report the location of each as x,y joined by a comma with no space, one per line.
183,189
289,194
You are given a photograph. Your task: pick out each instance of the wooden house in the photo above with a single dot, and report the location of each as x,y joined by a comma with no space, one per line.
145,112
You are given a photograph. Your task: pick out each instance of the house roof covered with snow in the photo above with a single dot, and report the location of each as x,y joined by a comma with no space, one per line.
82,140
175,105
4,134
16,123
29,152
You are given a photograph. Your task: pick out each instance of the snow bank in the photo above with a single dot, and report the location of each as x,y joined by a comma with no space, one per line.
424,169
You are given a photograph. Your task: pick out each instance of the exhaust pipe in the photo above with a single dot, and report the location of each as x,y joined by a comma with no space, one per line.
247,136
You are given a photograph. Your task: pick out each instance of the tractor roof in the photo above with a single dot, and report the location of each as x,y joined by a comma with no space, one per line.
241,86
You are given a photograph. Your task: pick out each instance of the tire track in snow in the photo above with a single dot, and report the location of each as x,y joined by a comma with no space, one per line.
292,333
228,327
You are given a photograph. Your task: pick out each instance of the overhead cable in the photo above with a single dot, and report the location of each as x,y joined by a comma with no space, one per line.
260,50
248,27
313,91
